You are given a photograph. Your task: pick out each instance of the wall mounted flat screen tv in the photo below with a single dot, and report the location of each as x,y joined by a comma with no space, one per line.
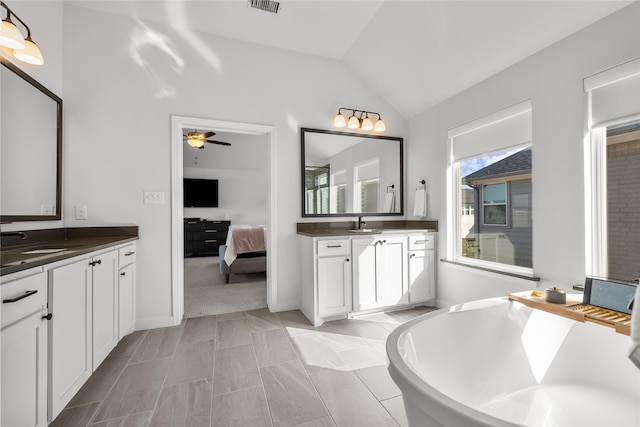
200,193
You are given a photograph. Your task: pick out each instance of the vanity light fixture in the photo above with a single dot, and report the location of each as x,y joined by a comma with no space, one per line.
24,48
356,120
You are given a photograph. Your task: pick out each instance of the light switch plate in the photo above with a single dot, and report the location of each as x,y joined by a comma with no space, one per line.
154,197
81,212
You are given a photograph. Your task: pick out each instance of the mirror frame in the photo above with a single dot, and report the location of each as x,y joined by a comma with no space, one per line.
304,131
33,82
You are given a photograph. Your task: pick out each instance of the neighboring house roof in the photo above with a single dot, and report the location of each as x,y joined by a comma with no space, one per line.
516,164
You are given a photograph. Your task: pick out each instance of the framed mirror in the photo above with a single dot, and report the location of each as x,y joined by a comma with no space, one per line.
31,147
351,174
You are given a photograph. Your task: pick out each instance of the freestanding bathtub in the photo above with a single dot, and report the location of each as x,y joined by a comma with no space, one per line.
496,362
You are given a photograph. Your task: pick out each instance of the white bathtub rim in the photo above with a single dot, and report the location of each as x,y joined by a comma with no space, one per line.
405,377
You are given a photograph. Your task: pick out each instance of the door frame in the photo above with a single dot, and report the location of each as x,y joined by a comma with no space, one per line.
177,210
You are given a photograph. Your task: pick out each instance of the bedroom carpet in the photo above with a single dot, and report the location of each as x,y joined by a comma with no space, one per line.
205,292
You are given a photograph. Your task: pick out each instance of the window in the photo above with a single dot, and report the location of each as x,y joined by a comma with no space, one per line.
468,209
317,184
491,193
494,204
612,163
367,188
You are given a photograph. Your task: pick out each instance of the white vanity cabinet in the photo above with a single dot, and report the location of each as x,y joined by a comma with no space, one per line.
379,271
23,350
346,275
83,300
126,289
326,291
422,276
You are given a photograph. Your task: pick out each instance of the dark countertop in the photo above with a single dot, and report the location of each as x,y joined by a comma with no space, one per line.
73,242
333,229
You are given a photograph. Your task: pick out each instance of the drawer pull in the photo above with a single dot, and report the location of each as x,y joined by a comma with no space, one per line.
210,241
123,274
47,316
129,253
420,242
210,231
412,256
334,246
16,299
192,222
347,260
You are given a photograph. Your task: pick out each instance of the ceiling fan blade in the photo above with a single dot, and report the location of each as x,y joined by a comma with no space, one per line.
217,142
208,134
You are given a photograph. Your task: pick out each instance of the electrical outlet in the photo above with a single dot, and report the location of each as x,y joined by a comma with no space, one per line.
81,212
154,197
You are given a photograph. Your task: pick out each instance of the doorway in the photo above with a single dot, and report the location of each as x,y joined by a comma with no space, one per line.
267,134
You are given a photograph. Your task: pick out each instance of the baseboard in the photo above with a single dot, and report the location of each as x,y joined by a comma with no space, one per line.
284,307
154,323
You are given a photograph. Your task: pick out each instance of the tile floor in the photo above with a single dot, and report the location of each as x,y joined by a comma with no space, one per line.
253,368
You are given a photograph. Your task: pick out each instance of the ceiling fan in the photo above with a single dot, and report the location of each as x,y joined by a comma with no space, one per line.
197,139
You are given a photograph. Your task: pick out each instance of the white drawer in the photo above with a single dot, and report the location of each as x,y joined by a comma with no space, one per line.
333,247
23,297
422,242
126,255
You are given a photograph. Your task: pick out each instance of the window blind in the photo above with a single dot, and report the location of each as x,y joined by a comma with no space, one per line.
615,93
507,128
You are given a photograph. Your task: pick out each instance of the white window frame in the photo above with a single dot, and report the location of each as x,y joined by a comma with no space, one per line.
454,187
595,170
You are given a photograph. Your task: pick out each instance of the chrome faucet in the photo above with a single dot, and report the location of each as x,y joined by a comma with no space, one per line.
360,223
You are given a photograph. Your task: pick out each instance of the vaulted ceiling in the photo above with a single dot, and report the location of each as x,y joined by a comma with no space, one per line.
415,54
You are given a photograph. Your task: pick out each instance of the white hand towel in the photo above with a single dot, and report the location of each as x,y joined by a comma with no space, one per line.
389,203
420,203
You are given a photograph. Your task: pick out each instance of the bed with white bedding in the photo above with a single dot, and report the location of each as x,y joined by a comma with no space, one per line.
244,251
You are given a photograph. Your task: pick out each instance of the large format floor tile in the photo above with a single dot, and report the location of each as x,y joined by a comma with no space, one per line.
246,369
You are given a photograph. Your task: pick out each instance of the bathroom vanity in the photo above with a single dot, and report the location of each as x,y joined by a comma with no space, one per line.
347,272
68,298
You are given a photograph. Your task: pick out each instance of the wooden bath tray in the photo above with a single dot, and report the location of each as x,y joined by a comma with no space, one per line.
576,310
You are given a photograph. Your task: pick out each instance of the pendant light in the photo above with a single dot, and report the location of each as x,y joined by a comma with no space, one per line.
10,35
24,48
357,122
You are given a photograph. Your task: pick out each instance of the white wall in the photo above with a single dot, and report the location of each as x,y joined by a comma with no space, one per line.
119,100
242,195
553,80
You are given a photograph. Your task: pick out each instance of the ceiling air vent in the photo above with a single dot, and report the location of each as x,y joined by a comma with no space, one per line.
266,5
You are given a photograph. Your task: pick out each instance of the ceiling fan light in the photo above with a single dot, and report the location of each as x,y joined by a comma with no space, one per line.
380,126
367,124
194,141
339,120
354,122
10,36
30,54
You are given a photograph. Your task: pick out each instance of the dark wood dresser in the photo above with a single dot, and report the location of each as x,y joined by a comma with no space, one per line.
203,237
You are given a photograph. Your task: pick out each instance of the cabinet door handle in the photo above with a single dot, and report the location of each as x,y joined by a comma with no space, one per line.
334,246
94,263
123,274
412,256
347,260
129,253
16,299
47,316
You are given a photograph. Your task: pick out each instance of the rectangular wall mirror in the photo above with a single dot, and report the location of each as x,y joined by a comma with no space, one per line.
351,174
31,146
